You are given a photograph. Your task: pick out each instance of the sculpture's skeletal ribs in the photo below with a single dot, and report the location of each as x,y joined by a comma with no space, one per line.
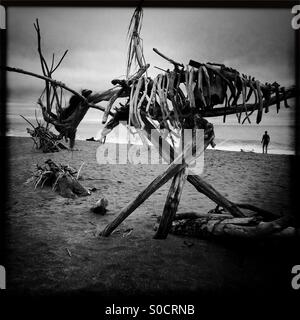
162,99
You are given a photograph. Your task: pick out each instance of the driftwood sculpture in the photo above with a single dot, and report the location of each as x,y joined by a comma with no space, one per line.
175,100
65,119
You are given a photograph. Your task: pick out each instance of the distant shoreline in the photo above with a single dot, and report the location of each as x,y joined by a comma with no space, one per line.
245,150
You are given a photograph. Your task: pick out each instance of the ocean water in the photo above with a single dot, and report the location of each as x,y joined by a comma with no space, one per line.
17,127
228,137
248,138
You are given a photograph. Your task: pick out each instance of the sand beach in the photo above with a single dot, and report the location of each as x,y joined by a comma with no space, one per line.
53,243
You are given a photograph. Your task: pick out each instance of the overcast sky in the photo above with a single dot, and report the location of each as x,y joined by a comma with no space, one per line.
258,42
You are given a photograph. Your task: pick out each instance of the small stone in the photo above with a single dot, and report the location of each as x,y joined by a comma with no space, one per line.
100,206
188,243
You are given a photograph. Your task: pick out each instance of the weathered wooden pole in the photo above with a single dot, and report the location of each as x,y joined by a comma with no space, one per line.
171,205
94,98
173,197
208,190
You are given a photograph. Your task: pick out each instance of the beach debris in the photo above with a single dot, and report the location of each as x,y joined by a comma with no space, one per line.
217,209
127,232
219,223
61,178
188,243
100,206
90,139
69,252
43,138
78,173
116,231
92,189
226,226
98,231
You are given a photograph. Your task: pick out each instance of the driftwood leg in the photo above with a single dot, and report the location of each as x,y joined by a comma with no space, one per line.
174,168
171,205
196,180
208,190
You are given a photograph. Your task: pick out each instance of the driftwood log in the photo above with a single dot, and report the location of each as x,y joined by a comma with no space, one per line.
226,226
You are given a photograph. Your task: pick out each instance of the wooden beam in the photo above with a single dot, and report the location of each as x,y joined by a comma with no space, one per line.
55,82
92,99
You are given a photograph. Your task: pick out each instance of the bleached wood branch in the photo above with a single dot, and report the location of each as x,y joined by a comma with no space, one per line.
90,101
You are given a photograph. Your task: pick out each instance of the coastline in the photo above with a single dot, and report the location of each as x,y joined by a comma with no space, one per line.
247,147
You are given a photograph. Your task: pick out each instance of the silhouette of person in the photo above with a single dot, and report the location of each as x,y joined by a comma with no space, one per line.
265,142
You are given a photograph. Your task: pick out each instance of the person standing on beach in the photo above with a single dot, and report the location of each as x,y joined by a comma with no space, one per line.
265,141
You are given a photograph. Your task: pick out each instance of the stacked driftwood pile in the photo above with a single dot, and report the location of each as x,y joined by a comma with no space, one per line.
60,178
44,139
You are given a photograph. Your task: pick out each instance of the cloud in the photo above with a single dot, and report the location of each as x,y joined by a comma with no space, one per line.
259,42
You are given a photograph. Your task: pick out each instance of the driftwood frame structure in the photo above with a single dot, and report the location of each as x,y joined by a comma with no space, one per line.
173,101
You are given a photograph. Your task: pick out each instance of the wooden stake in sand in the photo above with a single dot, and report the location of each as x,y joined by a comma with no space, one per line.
171,205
